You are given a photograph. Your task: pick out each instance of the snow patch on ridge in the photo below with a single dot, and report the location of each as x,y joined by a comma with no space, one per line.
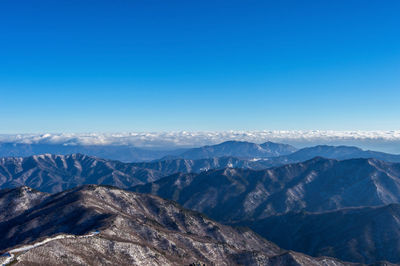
10,255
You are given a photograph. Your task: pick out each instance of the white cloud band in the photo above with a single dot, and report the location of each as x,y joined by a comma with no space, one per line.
185,139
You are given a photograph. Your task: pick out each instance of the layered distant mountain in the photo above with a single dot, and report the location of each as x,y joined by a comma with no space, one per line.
268,154
128,153
124,153
277,190
282,195
315,185
365,234
346,207
54,173
337,152
239,149
97,225
265,200
173,164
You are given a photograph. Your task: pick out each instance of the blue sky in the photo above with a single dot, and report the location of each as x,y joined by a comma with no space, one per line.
108,66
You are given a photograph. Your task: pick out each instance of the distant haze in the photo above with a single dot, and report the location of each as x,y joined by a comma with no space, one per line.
386,141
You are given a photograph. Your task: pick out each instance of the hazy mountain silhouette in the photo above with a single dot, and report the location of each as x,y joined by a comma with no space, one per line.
239,149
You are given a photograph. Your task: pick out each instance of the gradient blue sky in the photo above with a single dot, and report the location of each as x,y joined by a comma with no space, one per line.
84,66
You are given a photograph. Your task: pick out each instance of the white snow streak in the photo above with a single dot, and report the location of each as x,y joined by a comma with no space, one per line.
11,253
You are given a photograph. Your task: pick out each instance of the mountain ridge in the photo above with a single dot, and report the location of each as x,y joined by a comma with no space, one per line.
133,228
238,149
53,173
286,188
340,153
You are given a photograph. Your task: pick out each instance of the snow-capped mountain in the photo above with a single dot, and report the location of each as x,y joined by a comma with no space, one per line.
97,225
14,201
54,173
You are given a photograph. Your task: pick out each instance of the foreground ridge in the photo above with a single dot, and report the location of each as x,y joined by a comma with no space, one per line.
97,225
11,254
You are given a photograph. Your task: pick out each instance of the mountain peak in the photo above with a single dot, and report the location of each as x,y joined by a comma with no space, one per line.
234,142
239,149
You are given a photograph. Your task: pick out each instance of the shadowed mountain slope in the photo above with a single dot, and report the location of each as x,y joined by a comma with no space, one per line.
365,234
15,201
265,201
315,185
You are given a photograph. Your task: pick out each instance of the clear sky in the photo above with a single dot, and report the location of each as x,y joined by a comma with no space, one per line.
84,66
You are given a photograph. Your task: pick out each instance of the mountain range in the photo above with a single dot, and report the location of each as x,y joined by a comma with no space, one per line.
239,149
272,154
170,166
316,185
343,204
97,225
175,164
54,173
258,199
337,152
129,153
123,153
